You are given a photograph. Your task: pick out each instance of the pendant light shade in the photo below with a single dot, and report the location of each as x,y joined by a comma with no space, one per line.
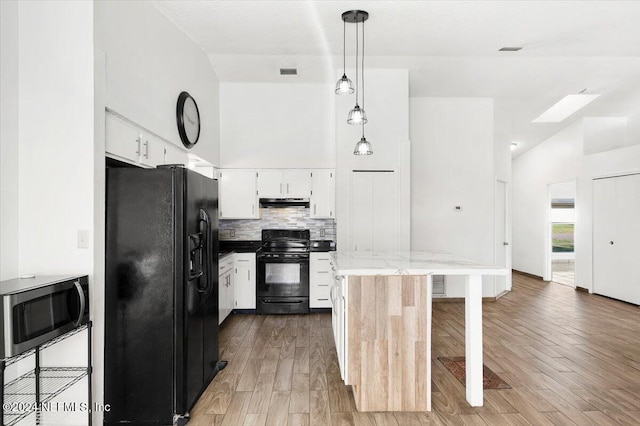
357,116
344,86
363,147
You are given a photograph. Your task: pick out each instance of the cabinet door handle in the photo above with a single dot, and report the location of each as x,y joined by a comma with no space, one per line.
146,150
242,260
139,141
249,275
253,208
323,285
322,272
314,209
281,187
287,188
323,299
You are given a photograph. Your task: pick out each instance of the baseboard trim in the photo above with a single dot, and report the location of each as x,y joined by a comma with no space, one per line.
459,299
502,294
582,289
526,274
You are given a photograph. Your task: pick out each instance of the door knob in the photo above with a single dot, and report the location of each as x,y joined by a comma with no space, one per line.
611,242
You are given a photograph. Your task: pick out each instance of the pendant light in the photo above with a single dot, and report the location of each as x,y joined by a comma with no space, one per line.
357,115
363,147
344,86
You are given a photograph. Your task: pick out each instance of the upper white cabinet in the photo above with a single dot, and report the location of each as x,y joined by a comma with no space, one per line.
323,200
175,155
238,198
130,143
122,138
151,150
290,183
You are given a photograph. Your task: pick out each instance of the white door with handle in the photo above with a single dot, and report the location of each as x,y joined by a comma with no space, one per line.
616,237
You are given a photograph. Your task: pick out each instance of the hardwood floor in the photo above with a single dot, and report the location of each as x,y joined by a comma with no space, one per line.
571,358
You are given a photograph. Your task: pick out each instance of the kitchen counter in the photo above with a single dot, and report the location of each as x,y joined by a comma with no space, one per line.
409,263
382,303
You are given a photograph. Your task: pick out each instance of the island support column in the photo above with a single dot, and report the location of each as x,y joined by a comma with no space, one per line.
473,339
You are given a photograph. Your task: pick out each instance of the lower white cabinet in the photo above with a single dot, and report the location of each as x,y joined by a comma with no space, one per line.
226,294
320,280
245,280
339,321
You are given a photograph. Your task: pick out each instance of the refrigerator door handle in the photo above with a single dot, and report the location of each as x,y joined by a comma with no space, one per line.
206,231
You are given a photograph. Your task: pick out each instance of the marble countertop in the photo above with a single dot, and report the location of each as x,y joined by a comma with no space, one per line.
409,263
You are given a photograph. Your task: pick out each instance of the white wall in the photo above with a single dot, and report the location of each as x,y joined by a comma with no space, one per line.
452,164
56,136
277,125
387,108
558,159
555,160
149,61
9,137
48,153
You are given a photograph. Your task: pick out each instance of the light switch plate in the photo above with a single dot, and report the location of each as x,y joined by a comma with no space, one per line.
83,238
232,232
322,232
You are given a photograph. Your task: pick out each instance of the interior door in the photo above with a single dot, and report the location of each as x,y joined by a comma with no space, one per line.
374,211
616,237
501,235
361,212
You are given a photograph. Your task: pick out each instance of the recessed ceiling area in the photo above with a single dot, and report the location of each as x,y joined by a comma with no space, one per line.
451,48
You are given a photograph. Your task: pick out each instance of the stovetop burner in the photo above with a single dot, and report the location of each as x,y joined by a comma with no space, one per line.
285,241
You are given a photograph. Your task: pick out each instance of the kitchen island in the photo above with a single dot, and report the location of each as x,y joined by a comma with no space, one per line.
381,320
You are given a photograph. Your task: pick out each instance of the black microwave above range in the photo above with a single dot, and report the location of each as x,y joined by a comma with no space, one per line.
36,310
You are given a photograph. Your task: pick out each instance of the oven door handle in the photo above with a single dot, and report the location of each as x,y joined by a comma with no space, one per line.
83,302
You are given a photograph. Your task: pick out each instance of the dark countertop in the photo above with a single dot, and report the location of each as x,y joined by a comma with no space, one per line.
243,246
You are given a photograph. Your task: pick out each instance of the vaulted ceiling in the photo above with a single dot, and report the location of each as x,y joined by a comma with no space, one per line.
449,47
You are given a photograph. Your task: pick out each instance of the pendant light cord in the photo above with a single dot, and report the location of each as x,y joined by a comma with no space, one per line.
356,63
344,47
362,71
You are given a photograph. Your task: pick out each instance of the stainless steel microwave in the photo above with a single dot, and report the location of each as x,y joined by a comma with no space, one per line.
35,310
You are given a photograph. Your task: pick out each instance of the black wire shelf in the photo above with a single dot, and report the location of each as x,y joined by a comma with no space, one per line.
23,355
20,393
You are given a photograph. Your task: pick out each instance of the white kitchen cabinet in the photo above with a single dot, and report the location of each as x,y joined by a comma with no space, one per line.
129,143
288,183
151,150
122,139
245,280
339,320
323,199
226,294
238,198
320,280
616,237
175,155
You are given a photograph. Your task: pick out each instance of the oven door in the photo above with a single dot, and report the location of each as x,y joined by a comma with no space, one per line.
282,275
41,314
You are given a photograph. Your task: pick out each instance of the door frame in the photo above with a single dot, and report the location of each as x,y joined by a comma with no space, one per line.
548,241
507,230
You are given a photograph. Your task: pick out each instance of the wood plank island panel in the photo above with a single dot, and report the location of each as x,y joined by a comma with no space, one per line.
389,342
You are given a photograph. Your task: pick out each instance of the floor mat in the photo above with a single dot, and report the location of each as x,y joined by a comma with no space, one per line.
456,365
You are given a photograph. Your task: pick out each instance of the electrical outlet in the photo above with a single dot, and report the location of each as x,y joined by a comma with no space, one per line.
83,238
322,232
232,232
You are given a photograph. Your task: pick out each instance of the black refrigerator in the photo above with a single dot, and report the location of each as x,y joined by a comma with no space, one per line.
161,293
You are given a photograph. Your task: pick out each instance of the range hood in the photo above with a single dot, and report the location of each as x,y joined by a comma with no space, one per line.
284,202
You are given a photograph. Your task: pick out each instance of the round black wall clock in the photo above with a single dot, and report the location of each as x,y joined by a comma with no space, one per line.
188,118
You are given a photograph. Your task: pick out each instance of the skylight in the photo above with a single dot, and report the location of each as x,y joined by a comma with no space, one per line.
566,107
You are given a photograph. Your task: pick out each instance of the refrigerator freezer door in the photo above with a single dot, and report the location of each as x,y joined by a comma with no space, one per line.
139,307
